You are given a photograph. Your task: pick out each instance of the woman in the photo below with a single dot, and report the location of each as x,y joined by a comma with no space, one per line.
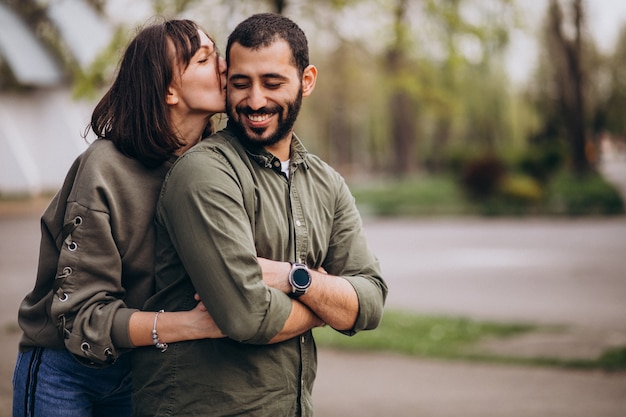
96,254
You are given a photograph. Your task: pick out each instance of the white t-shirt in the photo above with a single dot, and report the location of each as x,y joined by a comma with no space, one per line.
284,167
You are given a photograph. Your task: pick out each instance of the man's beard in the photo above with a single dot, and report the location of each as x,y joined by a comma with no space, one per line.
285,125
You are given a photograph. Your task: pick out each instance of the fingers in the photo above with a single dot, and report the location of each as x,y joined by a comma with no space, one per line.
200,305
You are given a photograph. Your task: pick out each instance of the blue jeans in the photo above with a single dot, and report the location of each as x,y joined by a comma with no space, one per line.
51,383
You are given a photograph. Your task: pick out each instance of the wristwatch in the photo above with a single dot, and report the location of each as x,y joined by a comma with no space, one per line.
300,279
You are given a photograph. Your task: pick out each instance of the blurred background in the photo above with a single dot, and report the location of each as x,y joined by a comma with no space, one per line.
484,142
483,106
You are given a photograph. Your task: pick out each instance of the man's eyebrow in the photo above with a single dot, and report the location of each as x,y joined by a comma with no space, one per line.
236,77
274,75
270,75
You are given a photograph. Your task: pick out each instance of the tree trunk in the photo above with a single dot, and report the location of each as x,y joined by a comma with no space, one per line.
570,81
403,133
402,106
279,5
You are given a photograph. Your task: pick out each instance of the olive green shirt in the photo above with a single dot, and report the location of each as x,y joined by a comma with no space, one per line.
221,206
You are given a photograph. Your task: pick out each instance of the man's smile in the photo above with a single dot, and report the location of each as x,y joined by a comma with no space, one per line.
259,117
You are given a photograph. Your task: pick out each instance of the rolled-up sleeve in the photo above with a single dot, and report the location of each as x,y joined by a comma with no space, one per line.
350,257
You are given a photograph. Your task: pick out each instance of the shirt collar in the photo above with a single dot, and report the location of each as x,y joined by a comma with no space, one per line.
298,153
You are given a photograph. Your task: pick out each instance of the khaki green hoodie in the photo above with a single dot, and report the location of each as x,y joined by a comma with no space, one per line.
96,257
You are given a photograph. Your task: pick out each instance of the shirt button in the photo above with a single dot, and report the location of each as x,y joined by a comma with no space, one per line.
302,339
298,223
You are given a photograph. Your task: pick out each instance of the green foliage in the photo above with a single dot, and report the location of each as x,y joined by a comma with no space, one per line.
520,188
610,89
420,335
583,195
541,162
495,188
448,62
613,360
171,7
446,337
564,194
88,82
515,193
413,197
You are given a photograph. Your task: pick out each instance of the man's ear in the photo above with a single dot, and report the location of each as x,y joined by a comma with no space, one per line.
172,96
308,80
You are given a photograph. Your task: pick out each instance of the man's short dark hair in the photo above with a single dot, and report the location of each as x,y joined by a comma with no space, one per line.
261,30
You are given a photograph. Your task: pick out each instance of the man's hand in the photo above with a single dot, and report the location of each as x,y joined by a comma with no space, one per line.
331,298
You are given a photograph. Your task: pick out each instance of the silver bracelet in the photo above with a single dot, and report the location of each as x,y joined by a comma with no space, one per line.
155,337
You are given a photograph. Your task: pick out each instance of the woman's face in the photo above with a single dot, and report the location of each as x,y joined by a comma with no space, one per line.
201,86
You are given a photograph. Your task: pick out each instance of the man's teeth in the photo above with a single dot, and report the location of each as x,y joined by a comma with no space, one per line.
259,117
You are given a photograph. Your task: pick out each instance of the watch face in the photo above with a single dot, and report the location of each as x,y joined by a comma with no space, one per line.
301,277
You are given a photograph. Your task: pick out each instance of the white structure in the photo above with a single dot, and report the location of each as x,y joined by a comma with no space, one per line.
40,130
40,136
30,62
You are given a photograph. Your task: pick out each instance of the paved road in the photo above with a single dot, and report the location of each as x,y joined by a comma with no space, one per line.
542,271
547,271
564,272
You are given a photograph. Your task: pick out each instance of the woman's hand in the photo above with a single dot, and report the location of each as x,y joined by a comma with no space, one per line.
203,322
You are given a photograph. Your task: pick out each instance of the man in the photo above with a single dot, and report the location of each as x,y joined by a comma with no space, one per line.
253,190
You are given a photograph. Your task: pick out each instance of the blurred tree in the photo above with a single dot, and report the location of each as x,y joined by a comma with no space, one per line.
402,104
339,133
567,58
446,65
423,62
176,7
609,115
420,78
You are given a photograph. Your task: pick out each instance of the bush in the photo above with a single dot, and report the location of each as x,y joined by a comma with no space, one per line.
583,195
541,162
517,194
411,197
521,188
514,194
480,177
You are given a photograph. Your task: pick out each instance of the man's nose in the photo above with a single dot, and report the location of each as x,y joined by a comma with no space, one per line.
256,98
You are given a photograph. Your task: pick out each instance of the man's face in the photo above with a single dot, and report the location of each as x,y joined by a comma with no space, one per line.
264,92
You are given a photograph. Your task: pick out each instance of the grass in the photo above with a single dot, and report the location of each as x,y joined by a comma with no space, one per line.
419,335
444,337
